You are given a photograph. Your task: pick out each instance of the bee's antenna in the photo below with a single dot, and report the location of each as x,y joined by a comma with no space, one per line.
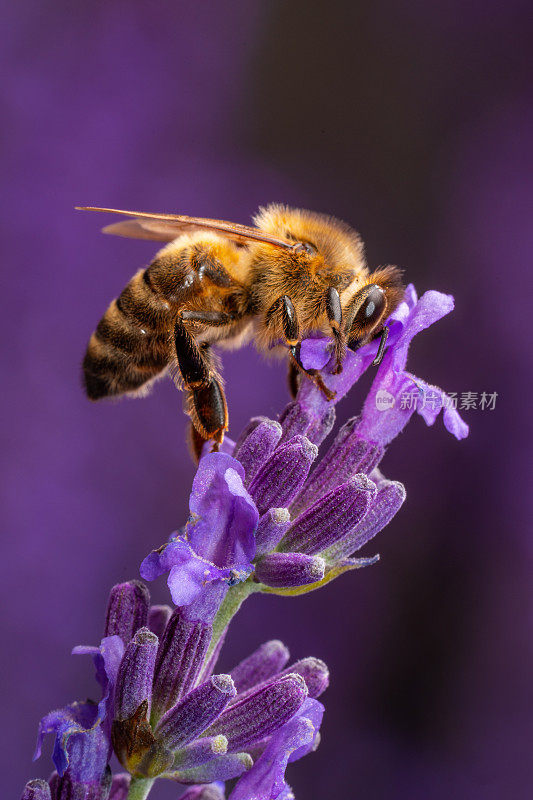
381,349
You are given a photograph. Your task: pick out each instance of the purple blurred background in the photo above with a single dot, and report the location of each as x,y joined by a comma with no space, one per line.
413,121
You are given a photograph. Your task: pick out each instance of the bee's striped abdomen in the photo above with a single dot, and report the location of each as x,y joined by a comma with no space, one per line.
131,344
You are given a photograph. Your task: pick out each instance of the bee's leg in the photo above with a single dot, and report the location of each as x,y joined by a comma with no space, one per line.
291,331
293,378
213,318
334,314
314,374
206,402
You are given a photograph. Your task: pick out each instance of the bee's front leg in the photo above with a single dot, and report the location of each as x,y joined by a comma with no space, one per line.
206,401
314,374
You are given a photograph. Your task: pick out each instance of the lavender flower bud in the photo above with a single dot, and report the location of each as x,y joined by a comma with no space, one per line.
179,660
294,420
314,672
326,521
348,455
283,475
262,712
246,431
189,718
158,616
271,528
127,609
36,790
257,447
388,501
135,675
263,663
289,569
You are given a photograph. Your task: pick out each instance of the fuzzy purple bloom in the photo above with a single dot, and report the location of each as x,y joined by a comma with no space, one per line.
164,713
218,543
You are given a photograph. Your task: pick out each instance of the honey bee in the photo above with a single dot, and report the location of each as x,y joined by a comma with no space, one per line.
223,283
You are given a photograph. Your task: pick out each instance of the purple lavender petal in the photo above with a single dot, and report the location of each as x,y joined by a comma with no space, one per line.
205,607
192,715
313,711
433,401
76,718
36,790
120,786
289,569
314,402
88,757
189,573
127,609
162,560
200,752
262,712
179,659
383,417
262,664
282,477
271,528
266,778
135,675
388,501
329,518
316,353
348,455
158,616
210,791
188,577
431,307
106,659
258,447
224,515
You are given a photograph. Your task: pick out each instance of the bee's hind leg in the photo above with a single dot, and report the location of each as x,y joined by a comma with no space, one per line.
206,401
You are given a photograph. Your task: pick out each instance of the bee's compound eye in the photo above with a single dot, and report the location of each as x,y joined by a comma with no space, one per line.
371,309
373,306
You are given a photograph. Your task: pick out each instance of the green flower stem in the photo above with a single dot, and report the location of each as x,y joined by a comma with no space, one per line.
140,788
230,605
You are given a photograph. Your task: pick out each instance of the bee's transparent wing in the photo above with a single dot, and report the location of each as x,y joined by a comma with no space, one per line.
166,227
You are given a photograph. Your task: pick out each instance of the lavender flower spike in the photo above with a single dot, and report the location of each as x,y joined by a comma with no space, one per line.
165,714
305,523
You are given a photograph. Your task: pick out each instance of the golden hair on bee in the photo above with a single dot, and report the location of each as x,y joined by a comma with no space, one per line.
221,283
